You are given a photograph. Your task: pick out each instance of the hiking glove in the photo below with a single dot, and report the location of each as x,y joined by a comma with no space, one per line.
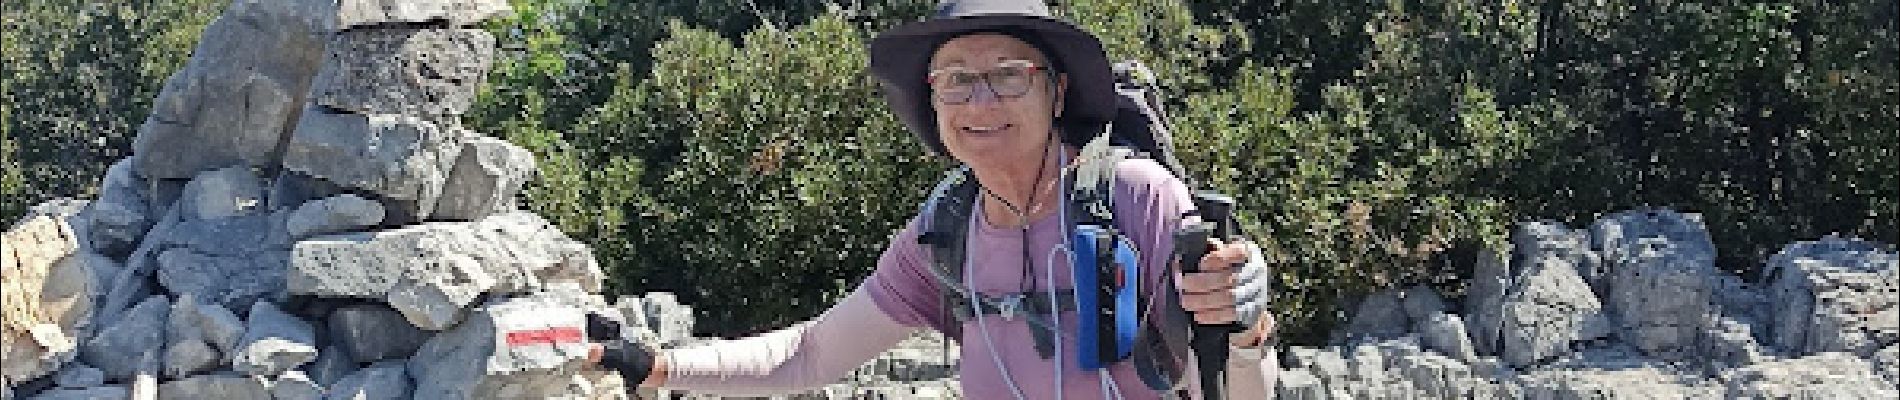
634,361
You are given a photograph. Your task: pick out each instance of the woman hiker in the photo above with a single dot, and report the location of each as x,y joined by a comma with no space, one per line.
1012,94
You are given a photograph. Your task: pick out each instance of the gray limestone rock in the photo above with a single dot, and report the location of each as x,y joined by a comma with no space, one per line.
274,342
1484,301
188,357
1823,375
373,13
234,282
435,295
488,174
402,159
1380,315
671,321
234,101
122,214
373,333
543,350
215,386
295,385
388,380
291,189
429,73
222,193
89,393
133,343
79,375
1835,294
1548,310
1421,302
1661,272
221,327
332,364
1535,240
1445,333
340,213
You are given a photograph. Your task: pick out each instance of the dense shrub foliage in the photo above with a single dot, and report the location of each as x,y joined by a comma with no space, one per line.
736,152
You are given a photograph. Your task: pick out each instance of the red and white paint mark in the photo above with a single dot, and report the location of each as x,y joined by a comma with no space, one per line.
550,336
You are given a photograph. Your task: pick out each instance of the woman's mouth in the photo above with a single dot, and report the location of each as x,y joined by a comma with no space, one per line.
987,130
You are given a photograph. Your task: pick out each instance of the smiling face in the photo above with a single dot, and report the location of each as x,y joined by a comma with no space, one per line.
989,131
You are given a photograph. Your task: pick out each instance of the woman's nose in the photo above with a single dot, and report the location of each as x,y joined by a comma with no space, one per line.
984,94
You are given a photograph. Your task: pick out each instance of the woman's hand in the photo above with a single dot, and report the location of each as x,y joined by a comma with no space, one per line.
613,350
1231,287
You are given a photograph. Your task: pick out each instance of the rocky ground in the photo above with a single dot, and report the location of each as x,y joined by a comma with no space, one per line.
303,218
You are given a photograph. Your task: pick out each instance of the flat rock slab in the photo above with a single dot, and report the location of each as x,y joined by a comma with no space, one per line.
410,71
236,98
430,272
400,158
215,387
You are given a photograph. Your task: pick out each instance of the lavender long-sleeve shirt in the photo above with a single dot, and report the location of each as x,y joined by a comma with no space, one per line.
902,296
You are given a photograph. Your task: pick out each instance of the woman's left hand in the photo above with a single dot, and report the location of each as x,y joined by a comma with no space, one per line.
1231,287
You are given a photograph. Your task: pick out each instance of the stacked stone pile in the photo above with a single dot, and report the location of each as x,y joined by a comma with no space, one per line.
304,218
1632,307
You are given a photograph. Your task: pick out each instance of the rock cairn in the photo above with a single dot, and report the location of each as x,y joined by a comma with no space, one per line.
304,218
1632,307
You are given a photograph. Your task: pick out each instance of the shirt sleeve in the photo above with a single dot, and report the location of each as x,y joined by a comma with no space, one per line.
902,286
801,357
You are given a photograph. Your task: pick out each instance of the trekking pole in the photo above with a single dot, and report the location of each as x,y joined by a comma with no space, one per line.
1209,341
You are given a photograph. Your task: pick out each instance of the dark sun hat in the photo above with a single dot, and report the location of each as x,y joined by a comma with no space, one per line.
900,56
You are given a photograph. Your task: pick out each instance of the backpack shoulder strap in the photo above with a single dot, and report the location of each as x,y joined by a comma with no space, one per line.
948,211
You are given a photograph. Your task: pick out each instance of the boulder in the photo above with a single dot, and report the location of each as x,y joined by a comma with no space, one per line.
1549,308
388,380
402,160
488,174
431,272
431,73
215,387
529,347
133,344
1835,294
1661,272
336,214
274,342
373,333
79,375
122,214
234,101
295,385
1484,301
332,364
48,294
1445,333
222,193
89,393
1380,315
1823,375
232,282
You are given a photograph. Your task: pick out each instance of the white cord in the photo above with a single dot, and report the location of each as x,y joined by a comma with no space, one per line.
976,308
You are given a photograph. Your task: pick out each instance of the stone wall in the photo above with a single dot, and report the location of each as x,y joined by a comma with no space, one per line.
1631,307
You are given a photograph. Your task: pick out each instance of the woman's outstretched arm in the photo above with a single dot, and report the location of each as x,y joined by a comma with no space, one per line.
804,356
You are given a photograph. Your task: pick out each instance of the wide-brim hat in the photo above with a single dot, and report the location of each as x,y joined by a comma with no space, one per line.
901,55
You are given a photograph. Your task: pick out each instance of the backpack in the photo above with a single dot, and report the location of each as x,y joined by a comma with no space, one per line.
1104,260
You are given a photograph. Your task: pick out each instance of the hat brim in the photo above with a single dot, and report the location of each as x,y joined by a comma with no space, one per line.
901,55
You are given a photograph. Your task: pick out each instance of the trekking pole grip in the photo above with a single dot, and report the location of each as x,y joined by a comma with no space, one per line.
1209,341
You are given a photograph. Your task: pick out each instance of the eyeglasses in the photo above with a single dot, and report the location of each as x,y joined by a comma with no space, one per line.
957,85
